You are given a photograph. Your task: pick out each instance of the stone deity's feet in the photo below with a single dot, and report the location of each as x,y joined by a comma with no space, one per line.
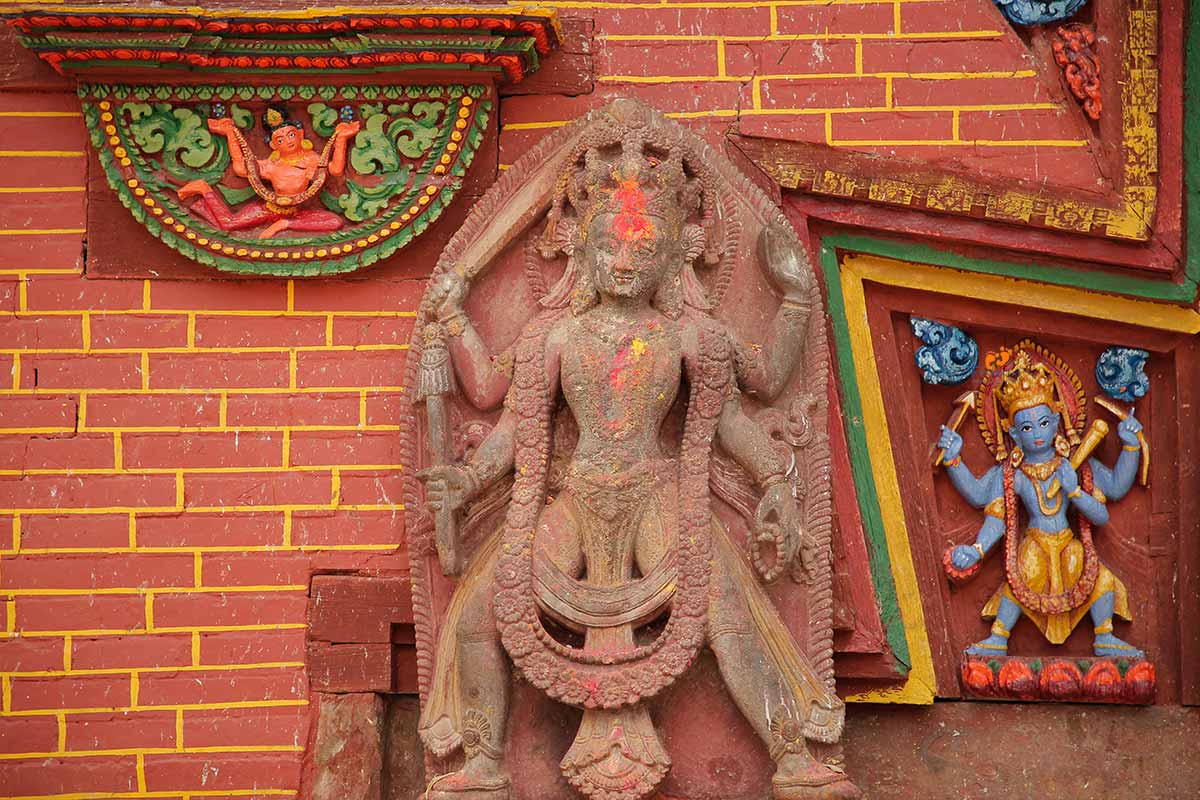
800,777
1109,646
194,189
479,779
994,645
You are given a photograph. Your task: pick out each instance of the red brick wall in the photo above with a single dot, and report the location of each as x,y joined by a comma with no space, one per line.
177,456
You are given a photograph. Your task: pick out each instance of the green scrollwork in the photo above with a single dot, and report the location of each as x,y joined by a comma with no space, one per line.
180,137
360,202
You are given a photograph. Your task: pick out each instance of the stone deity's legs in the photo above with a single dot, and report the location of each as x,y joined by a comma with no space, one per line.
997,644
482,689
1105,644
760,690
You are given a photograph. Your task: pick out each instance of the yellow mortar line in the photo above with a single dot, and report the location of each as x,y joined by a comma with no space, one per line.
149,601
721,57
858,56
292,368
146,295
41,153
6,694
118,452
774,19
145,369
82,410
953,124
141,772
287,448
793,37
216,389
197,470
260,548
62,731
287,528
191,331
362,408
135,687
291,295
179,495
233,312
39,189
42,712
828,128
143,795
329,331
22,296
195,648
67,652
194,668
132,531
10,615
896,29
335,485
145,751
179,731
16,373
307,348
39,113
197,570
129,590
281,626
223,410
200,509
747,4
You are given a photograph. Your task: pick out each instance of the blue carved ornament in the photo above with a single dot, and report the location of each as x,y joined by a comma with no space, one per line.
949,355
1121,373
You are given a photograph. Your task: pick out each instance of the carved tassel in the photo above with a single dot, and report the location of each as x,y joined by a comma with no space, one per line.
435,378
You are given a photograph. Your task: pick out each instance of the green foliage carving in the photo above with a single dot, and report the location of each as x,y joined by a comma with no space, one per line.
324,118
413,134
360,202
181,138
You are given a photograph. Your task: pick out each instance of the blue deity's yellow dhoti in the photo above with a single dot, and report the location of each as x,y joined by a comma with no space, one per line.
1051,563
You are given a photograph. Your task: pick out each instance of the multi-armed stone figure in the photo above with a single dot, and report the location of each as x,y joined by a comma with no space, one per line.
609,571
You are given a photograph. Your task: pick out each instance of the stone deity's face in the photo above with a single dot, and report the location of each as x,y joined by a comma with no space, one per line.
1034,429
629,255
287,140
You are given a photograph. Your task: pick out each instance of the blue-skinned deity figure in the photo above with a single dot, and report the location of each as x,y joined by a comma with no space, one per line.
1032,412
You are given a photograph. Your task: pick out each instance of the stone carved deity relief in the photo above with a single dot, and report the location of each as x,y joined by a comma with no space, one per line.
618,500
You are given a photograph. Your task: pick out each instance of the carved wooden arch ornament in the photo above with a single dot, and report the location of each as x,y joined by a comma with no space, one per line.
287,143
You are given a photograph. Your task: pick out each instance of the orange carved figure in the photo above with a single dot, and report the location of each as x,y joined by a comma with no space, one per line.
293,171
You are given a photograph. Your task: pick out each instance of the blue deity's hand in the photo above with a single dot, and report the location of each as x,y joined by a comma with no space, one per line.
964,556
951,442
1128,430
1067,477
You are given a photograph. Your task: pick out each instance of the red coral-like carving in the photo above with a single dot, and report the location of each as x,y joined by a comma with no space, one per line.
1075,51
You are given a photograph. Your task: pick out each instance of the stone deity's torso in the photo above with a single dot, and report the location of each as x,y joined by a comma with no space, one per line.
620,378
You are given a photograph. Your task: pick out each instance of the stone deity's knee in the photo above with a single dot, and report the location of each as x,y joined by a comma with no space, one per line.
476,618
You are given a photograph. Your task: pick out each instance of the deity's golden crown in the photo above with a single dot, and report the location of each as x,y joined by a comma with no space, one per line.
1026,384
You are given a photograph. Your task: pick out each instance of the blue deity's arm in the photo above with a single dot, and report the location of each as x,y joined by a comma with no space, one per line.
976,491
990,532
1115,483
1091,508
992,529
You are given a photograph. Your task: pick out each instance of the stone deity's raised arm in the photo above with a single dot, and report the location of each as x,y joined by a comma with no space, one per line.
764,371
483,382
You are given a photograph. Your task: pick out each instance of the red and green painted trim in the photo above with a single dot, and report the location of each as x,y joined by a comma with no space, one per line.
508,40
